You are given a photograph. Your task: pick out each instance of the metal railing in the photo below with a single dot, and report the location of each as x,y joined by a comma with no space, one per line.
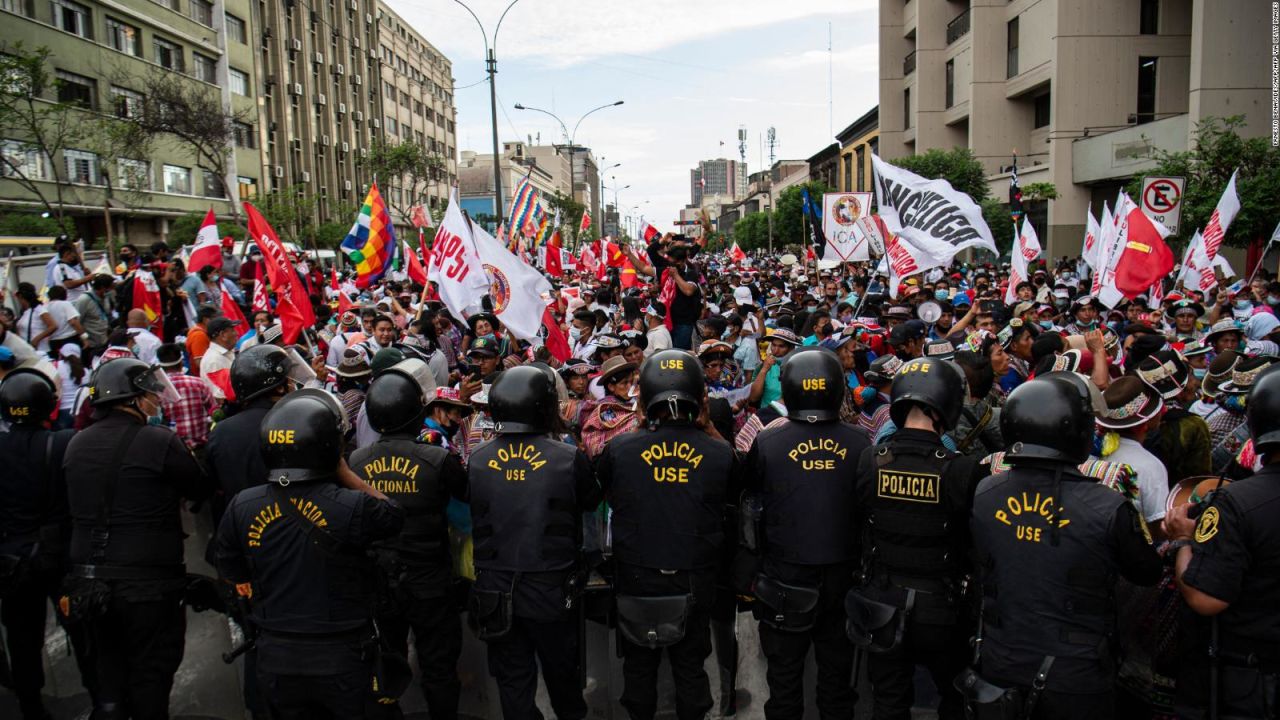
909,63
959,27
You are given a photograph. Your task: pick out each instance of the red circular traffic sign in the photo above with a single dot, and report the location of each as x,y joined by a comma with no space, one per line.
1161,196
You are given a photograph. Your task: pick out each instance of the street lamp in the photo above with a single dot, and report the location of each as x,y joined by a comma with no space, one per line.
573,147
491,64
616,208
601,173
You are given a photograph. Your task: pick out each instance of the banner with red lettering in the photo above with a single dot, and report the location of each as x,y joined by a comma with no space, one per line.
292,304
455,265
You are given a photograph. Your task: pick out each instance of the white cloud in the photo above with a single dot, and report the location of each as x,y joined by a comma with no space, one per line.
863,57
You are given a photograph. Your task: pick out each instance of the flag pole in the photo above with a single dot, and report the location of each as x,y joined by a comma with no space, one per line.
1265,249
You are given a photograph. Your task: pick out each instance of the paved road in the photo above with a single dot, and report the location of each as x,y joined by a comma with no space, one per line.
205,687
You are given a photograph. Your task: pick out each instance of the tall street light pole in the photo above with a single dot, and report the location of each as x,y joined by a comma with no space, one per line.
573,147
491,65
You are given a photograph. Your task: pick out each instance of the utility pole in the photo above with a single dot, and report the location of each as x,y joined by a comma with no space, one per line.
772,134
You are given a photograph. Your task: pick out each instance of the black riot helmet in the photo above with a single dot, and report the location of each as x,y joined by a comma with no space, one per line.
123,378
932,383
301,436
672,378
1049,418
813,385
397,399
1263,411
523,400
26,397
259,370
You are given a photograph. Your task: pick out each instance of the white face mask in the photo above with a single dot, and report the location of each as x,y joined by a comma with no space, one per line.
575,333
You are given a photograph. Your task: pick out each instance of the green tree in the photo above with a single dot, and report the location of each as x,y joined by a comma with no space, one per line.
407,166
788,218
752,231
957,166
33,224
1218,151
184,228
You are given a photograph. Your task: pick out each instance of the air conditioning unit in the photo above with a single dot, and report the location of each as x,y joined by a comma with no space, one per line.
346,147
341,70
354,5
342,108
321,99
373,55
368,19
375,123
296,45
355,41
297,143
279,171
346,184
324,139
306,176
318,58
358,116
355,80
364,152
297,89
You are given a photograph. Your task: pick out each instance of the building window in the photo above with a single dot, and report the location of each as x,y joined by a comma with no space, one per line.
23,160
14,6
1011,62
861,154
417,107
1146,89
391,125
404,98
1042,108
128,104
177,180
72,17
243,135
82,167
419,138
171,4
951,82
133,174
238,80
389,90
213,185
75,89
202,12
906,108
848,173
123,37
235,29
405,131
168,55
204,68
248,187
1149,17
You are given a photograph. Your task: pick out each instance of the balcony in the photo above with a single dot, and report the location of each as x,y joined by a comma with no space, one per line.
959,27
909,63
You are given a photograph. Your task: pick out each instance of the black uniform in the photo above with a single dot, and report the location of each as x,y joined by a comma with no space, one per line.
1049,591
667,488
312,601
232,452
138,641
913,501
417,566
528,493
1236,558
34,526
805,476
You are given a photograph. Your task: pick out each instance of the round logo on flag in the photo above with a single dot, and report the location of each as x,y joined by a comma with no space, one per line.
847,210
499,289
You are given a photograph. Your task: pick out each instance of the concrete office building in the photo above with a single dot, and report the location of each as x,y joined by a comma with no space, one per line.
100,55
1084,90
858,142
717,177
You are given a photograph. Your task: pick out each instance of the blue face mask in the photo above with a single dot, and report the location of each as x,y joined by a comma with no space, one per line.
1046,324
940,294
1244,304
1199,372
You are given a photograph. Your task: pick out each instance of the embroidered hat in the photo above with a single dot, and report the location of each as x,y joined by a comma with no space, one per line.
1130,403
1244,373
1219,372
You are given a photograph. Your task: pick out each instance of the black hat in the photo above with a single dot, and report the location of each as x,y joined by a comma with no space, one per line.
1219,372
932,383
1130,403
484,346
1245,373
813,385
906,332
942,349
1165,371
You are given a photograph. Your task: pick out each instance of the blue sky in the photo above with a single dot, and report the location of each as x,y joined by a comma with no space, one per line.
690,72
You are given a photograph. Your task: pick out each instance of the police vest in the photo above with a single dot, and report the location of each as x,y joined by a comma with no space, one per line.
1041,598
809,490
914,493
299,586
523,504
667,492
408,472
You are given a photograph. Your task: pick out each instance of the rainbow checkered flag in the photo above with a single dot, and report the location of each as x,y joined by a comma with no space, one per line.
371,243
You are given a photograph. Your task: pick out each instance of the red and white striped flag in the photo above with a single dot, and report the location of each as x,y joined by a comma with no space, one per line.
1216,229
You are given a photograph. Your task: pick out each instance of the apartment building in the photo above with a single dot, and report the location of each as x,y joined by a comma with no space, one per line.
1122,78
717,177
100,56
858,142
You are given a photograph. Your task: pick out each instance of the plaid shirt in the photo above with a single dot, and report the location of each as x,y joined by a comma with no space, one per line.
191,412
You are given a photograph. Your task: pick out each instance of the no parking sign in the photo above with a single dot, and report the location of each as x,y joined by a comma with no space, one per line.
1162,200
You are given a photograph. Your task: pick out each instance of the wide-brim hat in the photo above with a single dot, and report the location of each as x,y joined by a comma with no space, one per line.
614,366
1084,300
354,363
1245,373
576,366
884,368
1219,372
1162,375
1222,327
490,317
1186,304
1130,403
783,335
449,396
714,347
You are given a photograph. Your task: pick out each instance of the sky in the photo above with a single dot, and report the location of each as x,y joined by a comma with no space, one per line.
690,73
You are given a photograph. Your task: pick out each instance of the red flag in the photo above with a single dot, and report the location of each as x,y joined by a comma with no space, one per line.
231,311
586,221
736,254
1145,257
222,379
417,272
333,276
207,249
292,304
612,253
344,303
667,295
557,343
419,217
146,297
649,233
554,266
628,276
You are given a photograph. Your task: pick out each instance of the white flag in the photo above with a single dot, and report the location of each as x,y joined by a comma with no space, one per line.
1026,249
455,265
1101,248
904,260
1216,229
518,291
932,216
1092,231
1220,261
1108,294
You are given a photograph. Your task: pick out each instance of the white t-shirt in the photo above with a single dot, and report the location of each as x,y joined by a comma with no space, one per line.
32,324
146,344
657,339
70,387
1153,477
63,313
63,272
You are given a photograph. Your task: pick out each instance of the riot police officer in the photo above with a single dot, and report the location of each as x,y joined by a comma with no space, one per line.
667,482
34,526
913,497
416,564
1050,544
295,549
803,469
126,477
528,493
1228,568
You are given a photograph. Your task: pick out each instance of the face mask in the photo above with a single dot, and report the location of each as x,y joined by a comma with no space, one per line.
1199,372
940,294
1273,300
575,333
1046,324
852,299
153,419
846,317
1244,304
810,308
